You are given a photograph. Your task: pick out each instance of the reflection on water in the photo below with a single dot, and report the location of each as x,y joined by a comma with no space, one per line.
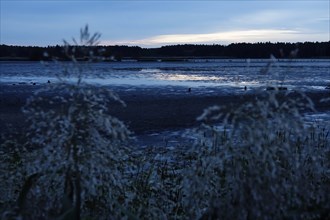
225,74
188,77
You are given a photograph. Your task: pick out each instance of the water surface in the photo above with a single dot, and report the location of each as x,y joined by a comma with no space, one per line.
229,75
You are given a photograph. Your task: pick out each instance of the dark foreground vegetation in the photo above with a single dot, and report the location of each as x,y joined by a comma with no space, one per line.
176,52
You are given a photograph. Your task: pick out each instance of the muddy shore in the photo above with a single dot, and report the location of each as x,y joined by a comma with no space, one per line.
147,110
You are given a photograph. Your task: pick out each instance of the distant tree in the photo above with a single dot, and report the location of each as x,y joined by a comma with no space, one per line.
234,50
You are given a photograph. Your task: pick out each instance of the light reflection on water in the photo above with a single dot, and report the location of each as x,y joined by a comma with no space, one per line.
227,74
190,77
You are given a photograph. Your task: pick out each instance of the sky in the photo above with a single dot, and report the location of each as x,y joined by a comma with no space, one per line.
155,23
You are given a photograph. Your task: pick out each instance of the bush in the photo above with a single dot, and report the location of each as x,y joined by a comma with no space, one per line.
266,164
75,156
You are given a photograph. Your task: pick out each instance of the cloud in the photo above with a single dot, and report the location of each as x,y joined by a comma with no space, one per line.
258,35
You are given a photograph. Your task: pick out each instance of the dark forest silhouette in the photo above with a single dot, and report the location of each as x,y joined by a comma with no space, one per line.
176,52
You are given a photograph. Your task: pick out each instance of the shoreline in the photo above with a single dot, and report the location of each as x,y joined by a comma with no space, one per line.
147,111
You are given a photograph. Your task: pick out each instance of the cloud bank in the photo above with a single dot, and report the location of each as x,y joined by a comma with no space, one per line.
227,37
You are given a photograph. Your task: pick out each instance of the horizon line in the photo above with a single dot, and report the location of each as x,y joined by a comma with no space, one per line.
178,44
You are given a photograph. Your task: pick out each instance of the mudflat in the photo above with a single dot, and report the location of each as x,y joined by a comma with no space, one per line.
147,110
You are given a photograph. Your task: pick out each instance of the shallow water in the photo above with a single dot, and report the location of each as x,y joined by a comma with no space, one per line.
229,75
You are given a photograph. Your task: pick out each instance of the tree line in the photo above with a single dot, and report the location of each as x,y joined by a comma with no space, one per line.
232,51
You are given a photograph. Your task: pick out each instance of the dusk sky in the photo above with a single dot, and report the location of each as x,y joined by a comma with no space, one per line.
153,23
